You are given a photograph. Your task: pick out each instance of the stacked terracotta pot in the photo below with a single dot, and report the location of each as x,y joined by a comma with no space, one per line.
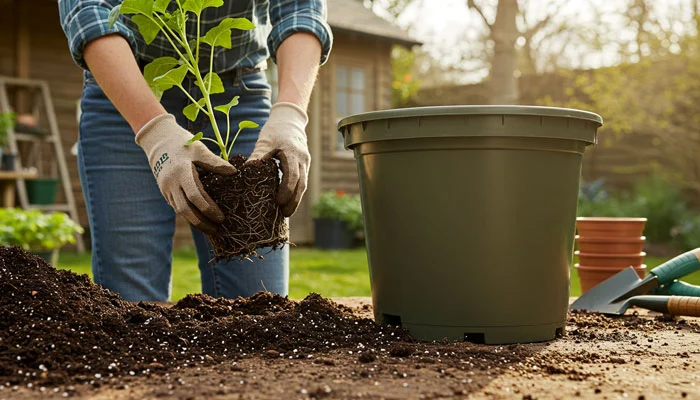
607,245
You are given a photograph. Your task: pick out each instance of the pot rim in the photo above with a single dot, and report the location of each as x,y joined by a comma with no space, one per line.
611,219
605,269
611,255
610,239
429,111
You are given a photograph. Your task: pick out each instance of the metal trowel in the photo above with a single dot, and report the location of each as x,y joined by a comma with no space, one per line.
610,295
675,305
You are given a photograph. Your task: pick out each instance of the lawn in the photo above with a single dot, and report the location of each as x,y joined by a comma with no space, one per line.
329,273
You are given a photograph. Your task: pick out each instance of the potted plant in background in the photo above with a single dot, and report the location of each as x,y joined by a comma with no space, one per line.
337,219
40,233
7,121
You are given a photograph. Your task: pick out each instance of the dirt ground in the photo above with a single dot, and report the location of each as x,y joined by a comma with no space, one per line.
337,352
650,359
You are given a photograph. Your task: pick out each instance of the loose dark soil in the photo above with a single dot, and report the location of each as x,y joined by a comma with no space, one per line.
247,199
62,335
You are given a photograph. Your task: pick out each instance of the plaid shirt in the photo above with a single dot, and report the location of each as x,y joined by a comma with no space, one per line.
275,20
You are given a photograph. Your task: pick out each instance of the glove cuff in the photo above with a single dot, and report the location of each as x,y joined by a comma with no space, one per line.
290,113
144,138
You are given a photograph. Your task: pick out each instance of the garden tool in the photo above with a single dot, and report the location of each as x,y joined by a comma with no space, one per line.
625,284
674,305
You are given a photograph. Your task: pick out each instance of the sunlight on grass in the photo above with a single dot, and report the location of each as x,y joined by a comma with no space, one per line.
329,273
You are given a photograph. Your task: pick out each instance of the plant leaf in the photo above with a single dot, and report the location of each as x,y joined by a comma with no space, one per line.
114,15
225,108
174,21
195,138
161,5
144,7
191,111
174,77
196,6
220,35
157,92
217,86
247,124
159,67
156,68
148,29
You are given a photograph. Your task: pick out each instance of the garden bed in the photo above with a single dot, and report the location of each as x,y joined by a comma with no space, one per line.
62,336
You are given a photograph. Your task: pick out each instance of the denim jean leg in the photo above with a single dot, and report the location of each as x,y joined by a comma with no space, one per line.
131,224
242,278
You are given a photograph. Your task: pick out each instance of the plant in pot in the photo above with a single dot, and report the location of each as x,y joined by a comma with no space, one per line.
40,233
7,122
337,218
253,219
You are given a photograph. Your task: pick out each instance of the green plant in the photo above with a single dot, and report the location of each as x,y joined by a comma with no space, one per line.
152,17
336,204
7,122
35,230
662,204
595,201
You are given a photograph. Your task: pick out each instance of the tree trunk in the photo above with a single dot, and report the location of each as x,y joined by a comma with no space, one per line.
503,85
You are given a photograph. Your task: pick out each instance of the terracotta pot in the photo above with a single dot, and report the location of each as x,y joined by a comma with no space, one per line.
611,260
610,226
610,245
591,276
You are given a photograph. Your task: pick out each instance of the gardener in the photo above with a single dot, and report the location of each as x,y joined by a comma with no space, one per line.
131,210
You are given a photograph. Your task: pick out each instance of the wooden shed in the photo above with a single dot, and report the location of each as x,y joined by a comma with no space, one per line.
356,78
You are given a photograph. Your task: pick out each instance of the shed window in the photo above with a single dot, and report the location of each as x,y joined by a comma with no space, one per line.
350,95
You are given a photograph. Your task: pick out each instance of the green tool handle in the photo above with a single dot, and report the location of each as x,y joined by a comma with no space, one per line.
679,288
677,267
675,305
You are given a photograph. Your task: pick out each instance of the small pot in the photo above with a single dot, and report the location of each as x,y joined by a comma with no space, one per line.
610,245
8,162
611,260
610,226
592,276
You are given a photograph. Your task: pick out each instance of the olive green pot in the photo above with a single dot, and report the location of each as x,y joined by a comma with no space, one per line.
470,217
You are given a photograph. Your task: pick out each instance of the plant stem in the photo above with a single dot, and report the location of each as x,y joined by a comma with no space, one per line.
228,130
233,141
192,99
171,40
197,47
205,94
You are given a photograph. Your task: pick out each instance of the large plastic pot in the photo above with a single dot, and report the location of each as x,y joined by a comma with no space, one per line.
470,216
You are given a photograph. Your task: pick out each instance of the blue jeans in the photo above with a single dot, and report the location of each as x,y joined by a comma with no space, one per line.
131,224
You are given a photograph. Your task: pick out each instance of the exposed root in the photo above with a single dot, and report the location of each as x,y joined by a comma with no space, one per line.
253,218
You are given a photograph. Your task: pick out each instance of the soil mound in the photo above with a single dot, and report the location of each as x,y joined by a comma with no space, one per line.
59,327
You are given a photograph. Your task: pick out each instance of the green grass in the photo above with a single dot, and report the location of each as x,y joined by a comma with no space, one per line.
329,273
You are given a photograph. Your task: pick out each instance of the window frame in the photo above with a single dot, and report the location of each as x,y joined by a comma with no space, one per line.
369,98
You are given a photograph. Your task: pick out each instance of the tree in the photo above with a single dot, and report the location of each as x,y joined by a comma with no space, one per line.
654,99
512,25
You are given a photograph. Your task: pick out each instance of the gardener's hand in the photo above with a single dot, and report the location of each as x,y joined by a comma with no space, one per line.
173,165
283,137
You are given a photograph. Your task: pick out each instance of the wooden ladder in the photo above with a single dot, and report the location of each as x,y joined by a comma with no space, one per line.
42,105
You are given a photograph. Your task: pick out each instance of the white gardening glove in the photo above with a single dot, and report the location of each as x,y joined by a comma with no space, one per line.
283,137
173,165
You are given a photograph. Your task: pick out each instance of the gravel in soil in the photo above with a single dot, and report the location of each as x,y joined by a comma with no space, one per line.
61,334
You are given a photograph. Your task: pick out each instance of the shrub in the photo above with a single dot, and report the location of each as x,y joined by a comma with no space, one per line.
35,230
336,204
595,201
663,206
653,198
